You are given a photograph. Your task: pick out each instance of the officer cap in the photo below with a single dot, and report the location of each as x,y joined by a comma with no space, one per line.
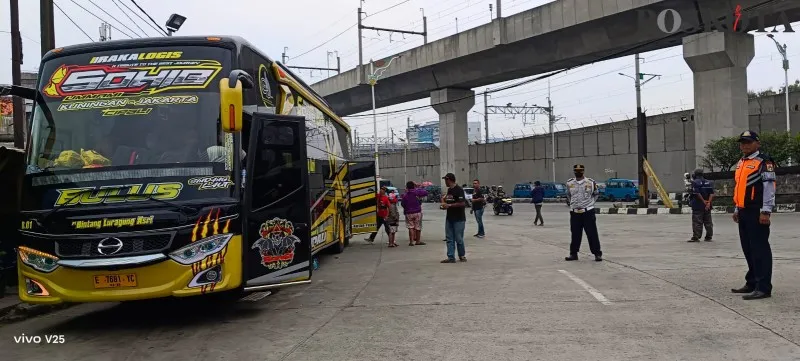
578,167
748,136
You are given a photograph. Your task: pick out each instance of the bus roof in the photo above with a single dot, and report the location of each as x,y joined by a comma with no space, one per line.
225,41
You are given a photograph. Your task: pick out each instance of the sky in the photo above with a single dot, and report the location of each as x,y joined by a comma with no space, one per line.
312,32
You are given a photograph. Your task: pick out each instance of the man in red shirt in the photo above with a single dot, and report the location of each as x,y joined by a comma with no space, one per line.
383,212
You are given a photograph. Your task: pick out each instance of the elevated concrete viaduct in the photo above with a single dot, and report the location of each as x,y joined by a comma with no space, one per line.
568,33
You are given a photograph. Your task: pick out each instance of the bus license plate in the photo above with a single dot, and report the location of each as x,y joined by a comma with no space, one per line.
115,281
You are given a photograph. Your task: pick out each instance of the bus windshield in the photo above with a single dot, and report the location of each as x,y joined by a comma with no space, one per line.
146,106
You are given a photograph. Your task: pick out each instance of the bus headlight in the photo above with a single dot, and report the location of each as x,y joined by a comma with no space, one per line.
38,260
198,250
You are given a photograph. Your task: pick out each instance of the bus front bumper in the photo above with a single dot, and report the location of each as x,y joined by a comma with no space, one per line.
217,272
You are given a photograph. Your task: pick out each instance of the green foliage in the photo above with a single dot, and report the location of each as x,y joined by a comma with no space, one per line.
751,94
722,154
792,87
778,145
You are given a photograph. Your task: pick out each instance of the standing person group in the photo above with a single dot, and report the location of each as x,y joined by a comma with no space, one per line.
412,208
754,197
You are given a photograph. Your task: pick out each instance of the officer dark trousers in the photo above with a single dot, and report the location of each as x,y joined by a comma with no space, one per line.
755,244
580,222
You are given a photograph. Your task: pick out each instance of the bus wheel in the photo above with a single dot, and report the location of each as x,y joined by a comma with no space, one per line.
628,198
341,241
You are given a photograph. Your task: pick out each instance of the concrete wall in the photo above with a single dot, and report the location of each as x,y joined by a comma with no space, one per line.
607,146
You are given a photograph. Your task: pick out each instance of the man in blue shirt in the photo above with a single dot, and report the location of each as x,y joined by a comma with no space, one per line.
537,197
702,195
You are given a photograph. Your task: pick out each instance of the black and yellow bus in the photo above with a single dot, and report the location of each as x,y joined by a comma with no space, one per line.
180,166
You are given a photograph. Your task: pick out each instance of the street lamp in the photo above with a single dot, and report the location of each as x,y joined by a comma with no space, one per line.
374,75
782,50
174,23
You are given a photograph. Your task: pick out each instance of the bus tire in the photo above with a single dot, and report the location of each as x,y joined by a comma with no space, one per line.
628,198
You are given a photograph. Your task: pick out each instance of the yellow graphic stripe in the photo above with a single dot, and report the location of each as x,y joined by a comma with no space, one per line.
363,211
354,187
287,79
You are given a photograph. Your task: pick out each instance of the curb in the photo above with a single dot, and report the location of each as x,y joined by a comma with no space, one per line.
781,208
546,200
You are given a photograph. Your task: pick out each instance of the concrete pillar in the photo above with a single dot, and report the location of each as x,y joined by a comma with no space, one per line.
719,62
453,106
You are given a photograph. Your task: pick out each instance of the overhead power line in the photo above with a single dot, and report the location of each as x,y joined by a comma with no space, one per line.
101,19
72,21
117,20
531,80
129,18
140,17
344,31
149,17
326,42
387,9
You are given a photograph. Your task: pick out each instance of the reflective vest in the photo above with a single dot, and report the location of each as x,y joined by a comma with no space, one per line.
749,190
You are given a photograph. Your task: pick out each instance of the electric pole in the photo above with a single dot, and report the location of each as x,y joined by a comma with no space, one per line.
338,68
46,25
361,26
551,119
641,136
486,111
499,11
16,76
641,131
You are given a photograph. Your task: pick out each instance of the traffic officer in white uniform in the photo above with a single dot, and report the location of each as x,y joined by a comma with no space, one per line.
582,193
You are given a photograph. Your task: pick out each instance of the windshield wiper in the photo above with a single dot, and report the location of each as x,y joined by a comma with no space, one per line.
181,208
67,202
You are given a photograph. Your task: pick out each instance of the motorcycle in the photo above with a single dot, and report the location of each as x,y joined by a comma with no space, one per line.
503,206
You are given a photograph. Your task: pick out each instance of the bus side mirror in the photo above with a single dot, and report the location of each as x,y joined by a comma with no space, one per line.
230,100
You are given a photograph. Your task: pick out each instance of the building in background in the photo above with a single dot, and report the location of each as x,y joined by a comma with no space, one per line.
429,133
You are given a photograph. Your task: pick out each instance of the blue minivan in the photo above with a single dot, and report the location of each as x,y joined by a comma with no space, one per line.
551,190
620,189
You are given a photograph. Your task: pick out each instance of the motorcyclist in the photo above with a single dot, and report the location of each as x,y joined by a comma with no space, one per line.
500,194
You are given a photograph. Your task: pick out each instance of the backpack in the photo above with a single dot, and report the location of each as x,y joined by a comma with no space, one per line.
394,215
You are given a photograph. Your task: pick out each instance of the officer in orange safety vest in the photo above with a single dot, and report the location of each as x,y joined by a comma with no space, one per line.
754,197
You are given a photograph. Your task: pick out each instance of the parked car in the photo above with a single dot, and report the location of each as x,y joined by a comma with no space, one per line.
434,194
522,190
621,189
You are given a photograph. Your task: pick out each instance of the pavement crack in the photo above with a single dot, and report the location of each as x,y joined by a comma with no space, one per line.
340,309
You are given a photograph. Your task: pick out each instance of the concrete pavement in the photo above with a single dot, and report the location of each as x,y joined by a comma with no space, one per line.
515,299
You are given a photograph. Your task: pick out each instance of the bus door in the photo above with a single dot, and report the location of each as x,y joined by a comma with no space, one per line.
277,217
363,206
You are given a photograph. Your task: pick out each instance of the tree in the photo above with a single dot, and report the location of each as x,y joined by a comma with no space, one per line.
792,87
778,145
722,154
